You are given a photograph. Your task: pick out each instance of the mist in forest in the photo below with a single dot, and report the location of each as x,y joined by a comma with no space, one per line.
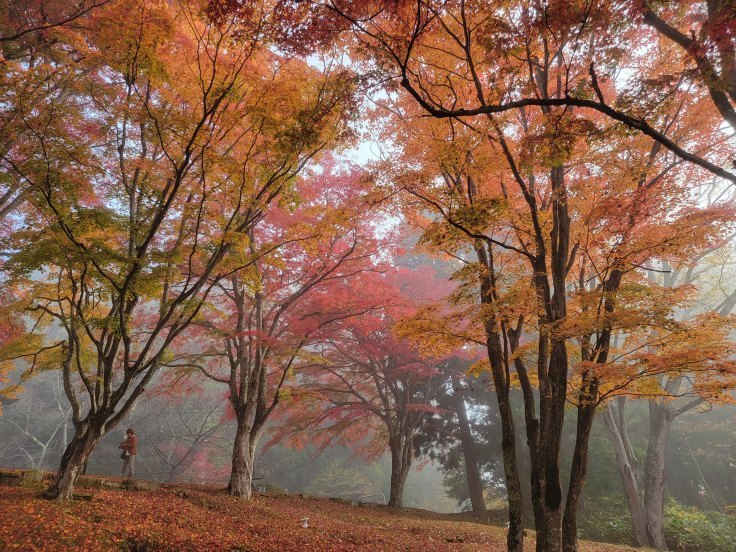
464,256
187,440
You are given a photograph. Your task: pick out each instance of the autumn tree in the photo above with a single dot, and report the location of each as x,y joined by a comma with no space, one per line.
558,51
705,32
432,49
508,53
363,378
266,320
692,381
39,82
555,225
559,58
190,127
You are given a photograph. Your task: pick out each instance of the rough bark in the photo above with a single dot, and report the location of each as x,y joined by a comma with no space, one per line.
73,462
557,374
532,428
401,456
241,473
472,473
247,390
515,537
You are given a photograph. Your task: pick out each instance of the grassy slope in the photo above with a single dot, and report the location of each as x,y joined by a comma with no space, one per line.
194,519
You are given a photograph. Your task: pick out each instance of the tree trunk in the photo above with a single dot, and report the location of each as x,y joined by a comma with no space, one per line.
535,476
73,461
472,473
655,473
401,456
626,465
515,537
241,474
552,414
578,471
554,392
172,473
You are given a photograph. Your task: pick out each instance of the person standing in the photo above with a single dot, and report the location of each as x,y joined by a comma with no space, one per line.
130,449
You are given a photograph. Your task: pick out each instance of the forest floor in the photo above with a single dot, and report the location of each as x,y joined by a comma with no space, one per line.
191,518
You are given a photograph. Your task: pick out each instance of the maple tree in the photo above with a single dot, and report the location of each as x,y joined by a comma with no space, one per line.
365,379
266,320
38,86
572,236
433,49
190,128
163,206
683,375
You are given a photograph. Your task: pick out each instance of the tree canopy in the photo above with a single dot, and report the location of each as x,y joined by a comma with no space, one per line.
546,213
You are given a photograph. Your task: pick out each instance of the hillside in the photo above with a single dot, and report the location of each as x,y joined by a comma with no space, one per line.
186,518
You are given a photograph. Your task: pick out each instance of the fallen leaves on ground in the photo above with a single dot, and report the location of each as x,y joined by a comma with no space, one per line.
208,520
